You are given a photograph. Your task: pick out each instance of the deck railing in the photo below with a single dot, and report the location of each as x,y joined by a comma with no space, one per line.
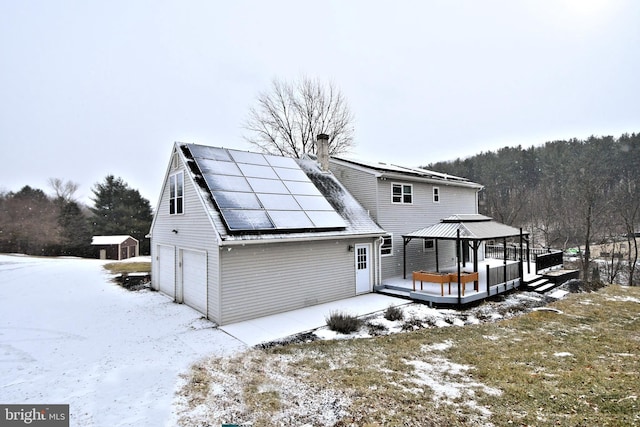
549,260
513,252
502,274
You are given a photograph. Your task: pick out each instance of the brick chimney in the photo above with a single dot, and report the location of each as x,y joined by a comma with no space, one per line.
322,151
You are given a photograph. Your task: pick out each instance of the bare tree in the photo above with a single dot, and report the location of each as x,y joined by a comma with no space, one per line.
287,118
63,190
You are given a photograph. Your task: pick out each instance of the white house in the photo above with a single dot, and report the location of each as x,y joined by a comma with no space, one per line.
402,200
238,235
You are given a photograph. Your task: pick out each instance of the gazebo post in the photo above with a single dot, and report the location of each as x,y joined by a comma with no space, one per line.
458,262
504,263
520,264
526,240
476,246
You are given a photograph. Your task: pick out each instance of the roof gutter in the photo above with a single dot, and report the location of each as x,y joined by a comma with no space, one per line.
399,176
301,239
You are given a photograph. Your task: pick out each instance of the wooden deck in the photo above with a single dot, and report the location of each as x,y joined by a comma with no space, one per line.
436,293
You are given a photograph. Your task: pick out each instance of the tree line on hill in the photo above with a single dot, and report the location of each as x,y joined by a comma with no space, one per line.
573,193
34,223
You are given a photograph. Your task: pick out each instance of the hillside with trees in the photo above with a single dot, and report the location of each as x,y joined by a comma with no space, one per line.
573,193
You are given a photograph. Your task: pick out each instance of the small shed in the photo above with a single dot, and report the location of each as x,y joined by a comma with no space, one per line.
116,247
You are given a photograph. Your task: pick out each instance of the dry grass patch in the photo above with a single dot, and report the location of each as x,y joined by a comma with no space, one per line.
128,267
575,366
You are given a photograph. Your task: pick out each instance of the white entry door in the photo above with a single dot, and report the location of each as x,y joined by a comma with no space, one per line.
363,268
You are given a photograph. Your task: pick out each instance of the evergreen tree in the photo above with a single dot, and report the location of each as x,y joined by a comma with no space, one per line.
120,210
75,232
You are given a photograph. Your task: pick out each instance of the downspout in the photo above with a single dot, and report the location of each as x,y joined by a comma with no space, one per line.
379,260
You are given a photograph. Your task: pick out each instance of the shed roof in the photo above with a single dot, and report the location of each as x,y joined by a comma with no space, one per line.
110,240
471,227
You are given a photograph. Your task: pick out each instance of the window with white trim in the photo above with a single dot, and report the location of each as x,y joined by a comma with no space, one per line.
436,195
386,248
176,193
429,245
402,193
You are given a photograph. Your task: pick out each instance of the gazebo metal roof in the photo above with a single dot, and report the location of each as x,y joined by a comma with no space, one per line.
471,227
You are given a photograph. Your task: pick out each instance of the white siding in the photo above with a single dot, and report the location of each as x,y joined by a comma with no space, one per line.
365,182
374,194
194,231
260,280
402,219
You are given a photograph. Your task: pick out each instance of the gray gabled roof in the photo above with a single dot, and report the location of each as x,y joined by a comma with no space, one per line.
471,227
356,218
396,171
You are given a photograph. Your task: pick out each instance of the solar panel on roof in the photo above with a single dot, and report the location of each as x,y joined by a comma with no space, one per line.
303,188
257,171
279,201
245,219
261,185
227,182
257,192
247,157
282,162
213,153
291,174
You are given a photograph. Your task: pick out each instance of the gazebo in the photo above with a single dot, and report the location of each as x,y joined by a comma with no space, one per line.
469,231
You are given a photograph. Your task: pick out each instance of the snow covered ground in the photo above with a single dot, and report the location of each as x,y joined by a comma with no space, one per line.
68,335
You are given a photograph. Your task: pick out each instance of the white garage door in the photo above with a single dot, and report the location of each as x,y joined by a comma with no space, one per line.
167,270
194,280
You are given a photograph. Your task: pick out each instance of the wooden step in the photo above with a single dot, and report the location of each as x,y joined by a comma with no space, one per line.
547,287
393,292
533,285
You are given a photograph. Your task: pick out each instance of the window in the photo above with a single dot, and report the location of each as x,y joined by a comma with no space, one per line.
174,161
436,195
386,248
402,193
176,193
429,245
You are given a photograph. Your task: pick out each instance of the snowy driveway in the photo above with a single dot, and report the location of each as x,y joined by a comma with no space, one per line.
70,336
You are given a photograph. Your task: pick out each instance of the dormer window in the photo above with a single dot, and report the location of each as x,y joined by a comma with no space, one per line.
402,193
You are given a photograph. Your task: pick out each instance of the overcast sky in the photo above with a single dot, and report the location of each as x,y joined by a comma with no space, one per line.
91,88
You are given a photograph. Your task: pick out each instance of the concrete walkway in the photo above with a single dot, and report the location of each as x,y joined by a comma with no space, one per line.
278,326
